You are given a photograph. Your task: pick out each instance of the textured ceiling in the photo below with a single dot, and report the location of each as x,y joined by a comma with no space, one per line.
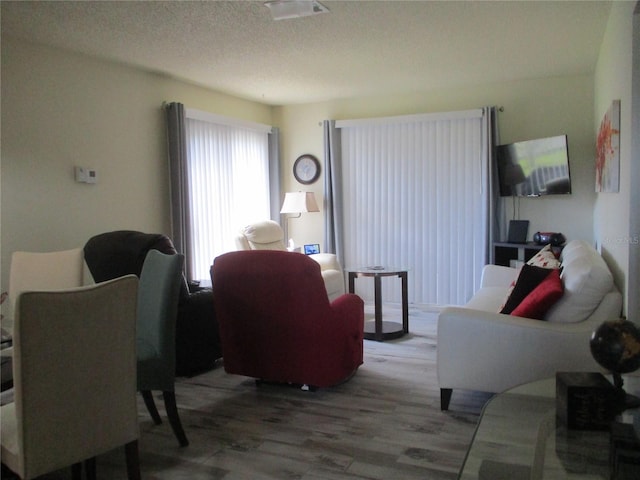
360,48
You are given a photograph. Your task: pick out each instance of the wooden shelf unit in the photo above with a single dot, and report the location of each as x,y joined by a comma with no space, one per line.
504,252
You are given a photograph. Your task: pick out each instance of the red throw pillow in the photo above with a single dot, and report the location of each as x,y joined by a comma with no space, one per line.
542,298
528,279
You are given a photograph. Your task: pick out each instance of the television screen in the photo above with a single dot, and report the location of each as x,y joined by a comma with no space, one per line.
534,167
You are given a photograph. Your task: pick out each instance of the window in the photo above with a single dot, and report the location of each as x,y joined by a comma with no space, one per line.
227,173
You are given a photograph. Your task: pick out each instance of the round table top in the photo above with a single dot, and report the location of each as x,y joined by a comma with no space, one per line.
372,270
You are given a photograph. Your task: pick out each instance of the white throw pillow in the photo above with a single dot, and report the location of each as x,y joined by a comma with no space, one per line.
586,280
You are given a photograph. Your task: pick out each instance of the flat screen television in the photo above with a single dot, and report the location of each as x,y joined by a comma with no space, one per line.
534,167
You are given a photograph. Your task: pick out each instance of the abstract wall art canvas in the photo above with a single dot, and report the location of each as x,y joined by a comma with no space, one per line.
608,151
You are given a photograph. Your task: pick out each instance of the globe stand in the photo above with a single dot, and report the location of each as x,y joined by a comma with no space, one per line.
624,400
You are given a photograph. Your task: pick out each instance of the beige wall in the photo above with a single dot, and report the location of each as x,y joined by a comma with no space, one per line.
613,82
532,109
60,110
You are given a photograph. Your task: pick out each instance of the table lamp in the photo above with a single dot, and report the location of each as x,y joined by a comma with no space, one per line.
298,202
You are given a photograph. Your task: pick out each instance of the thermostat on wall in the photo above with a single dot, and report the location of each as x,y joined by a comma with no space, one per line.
86,175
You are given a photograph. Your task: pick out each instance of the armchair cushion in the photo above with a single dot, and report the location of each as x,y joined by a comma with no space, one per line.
265,235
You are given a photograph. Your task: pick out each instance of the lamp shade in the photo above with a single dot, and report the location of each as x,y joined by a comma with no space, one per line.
298,202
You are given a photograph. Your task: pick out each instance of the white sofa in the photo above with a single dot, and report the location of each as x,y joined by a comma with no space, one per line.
268,235
483,350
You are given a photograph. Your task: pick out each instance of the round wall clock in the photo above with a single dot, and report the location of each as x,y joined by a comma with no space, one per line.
306,169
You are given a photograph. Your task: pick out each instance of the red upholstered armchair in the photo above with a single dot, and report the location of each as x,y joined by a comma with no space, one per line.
276,322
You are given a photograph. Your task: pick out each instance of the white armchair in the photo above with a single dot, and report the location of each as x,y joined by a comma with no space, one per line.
268,235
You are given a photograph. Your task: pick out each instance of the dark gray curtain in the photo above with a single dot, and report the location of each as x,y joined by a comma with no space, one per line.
333,218
496,227
177,149
274,174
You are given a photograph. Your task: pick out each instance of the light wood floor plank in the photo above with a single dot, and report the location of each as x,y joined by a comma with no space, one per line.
384,423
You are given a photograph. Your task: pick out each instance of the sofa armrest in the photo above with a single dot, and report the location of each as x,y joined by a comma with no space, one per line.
491,352
498,276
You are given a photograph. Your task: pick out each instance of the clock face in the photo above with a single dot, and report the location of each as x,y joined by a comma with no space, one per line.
306,169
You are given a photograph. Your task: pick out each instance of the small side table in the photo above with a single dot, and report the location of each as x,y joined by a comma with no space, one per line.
383,330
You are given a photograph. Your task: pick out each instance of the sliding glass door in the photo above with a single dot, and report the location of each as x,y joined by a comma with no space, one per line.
416,196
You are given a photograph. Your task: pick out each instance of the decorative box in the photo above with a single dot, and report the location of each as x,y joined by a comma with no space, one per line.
584,400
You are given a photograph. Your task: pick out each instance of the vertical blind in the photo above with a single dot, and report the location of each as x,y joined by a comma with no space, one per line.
228,177
415,197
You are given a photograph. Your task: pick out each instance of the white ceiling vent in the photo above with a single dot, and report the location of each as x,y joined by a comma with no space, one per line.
282,9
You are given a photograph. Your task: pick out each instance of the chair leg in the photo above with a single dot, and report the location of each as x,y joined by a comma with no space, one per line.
174,419
90,468
445,398
133,460
151,406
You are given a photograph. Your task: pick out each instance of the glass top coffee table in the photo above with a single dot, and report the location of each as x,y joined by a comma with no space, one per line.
518,437
382,330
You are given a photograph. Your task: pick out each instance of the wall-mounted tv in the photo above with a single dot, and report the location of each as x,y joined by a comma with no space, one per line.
534,167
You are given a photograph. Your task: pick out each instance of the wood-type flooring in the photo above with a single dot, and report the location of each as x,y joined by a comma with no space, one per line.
384,423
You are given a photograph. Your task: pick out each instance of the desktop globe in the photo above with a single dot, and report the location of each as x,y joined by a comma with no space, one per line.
616,346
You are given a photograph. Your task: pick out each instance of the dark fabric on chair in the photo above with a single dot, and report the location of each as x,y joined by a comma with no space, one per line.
276,322
114,254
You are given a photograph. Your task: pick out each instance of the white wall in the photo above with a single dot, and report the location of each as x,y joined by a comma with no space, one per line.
532,109
613,77
59,110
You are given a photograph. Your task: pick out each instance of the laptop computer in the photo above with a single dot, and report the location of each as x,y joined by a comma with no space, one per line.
518,230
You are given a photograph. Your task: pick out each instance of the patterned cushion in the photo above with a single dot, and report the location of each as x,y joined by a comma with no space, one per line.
545,258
